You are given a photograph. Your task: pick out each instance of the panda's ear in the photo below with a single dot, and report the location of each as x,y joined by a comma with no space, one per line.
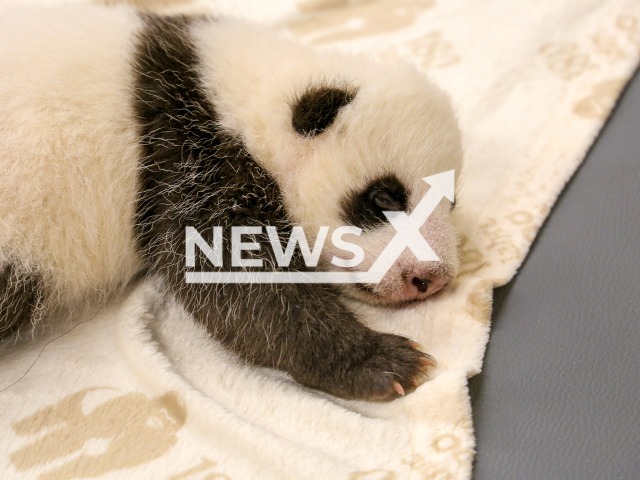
314,111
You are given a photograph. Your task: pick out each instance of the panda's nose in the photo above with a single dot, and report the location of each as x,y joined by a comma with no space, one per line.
422,284
419,287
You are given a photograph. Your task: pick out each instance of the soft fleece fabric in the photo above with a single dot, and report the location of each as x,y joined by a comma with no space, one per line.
138,391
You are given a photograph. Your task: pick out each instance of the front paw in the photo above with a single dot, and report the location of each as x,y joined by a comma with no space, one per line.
395,367
384,368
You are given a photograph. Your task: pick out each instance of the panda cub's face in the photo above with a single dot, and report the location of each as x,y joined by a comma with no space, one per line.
346,139
361,149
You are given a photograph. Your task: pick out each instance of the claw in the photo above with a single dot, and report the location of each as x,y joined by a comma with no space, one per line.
427,362
398,388
416,345
421,378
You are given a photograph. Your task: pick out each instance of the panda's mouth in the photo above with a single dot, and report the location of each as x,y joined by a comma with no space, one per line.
375,298
369,294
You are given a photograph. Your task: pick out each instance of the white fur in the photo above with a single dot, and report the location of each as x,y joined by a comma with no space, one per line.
68,146
69,153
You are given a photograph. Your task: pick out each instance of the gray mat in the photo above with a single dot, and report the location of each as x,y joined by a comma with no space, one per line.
559,396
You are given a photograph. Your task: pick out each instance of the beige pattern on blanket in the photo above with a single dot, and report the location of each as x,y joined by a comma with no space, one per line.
618,42
340,20
137,429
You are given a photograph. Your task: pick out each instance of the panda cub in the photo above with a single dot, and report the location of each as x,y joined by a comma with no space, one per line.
119,130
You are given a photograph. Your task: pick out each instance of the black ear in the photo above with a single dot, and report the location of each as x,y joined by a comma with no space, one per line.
318,107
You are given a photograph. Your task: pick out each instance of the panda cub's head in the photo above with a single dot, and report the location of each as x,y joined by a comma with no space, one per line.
346,138
362,148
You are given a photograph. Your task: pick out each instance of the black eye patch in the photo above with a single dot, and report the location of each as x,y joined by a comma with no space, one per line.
317,108
364,209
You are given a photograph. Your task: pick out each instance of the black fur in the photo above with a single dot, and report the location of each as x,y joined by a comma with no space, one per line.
364,209
20,295
317,108
194,174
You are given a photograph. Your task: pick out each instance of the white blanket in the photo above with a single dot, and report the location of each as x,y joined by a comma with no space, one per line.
139,392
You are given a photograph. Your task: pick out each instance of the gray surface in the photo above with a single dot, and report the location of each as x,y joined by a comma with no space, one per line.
559,397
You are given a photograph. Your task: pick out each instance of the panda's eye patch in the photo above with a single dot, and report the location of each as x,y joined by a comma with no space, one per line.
365,209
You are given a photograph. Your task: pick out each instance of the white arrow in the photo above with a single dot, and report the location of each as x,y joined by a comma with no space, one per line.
408,227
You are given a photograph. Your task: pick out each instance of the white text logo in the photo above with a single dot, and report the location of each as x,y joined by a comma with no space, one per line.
407,236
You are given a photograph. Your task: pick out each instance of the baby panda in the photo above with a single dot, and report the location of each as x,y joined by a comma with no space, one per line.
119,130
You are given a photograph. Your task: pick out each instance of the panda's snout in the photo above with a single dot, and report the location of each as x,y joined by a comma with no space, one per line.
423,286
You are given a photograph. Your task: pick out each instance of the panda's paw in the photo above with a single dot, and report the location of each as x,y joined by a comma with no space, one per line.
395,368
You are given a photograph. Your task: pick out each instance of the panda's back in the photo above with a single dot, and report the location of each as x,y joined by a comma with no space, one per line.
68,153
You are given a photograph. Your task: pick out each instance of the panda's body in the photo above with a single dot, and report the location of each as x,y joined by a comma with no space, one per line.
119,130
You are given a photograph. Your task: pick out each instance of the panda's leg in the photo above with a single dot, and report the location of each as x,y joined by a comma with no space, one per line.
306,331
302,329
21,295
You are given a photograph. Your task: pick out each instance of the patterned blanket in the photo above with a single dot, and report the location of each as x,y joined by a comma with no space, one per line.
138,391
